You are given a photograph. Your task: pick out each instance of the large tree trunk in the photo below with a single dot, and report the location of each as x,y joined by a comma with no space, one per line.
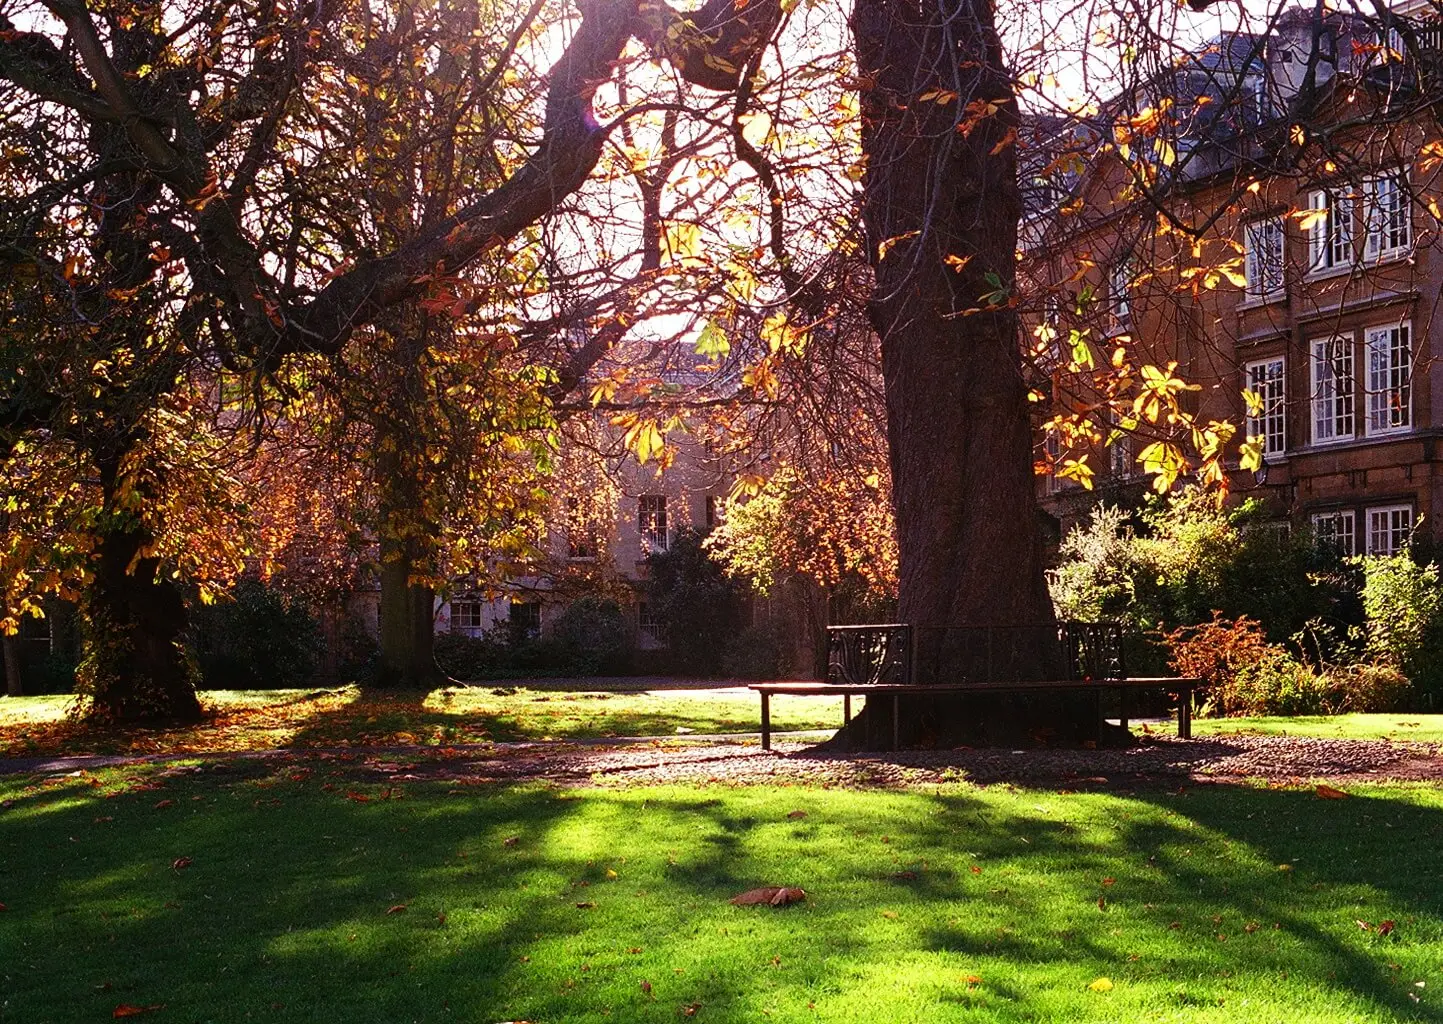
941,182
407,623
407,608
135,666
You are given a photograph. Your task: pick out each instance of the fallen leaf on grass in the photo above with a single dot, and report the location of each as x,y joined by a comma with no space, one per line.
360,798
797,814
1101,985
690,1011
586,906
890,915
3,907
972,980
634,949
127,1010
1386,928
1109,881
774,895
976,870
399,908
510,840
1329,793
646,989
160,806
905,876
180,864
1365,925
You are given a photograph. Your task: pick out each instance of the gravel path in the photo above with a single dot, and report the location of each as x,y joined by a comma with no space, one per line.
1161,760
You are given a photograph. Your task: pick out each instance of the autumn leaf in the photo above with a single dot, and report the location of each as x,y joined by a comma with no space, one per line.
646,989
794,815
1329,793
510,840
1101,985
127,1010
972,980
1385,928
890,915
586,905
163,804
690,1011
180,863
399,908
773,895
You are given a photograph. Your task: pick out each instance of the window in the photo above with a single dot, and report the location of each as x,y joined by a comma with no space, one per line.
1119,289
1332,389
465,615
1263,257
651,521
1269,421
580,530
525,619
647,624
1330,234
1335,530
1389,216
1389,529
1119,448
1390,361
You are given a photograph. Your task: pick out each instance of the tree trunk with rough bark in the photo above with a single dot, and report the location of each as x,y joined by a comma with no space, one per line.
407,608
135,666
941,209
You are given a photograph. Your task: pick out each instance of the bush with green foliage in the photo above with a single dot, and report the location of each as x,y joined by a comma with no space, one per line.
257,639
700,608
1403,606
592,637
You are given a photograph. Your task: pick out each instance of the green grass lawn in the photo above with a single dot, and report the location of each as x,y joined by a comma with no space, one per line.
266,719
1421,728
306,896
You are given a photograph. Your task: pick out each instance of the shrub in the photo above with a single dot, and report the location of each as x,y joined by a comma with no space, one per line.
1367,688
1217,652
1403,605
700,609
755,653
591,638
1277,684
256,640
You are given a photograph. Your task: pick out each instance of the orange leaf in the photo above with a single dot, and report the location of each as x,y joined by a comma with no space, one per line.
180,864
774,895
397,909
360,798
127,1010
1329,793
797,814
163,804
1385,927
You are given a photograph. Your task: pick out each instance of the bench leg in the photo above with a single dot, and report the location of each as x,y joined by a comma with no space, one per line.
1184,714
766,721
846,708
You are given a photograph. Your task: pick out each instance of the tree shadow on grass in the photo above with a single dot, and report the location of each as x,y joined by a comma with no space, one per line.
529,903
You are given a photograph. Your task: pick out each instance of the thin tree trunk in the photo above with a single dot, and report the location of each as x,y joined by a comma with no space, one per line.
941,209
14,686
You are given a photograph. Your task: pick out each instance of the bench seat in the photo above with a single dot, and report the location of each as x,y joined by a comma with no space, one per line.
847,691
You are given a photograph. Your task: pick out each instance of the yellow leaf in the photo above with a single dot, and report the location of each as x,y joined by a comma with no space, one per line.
1101,985
682,243
781,335
957,262
885,246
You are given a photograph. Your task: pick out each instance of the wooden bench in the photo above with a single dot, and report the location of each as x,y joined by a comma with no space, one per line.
847,691
877,660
